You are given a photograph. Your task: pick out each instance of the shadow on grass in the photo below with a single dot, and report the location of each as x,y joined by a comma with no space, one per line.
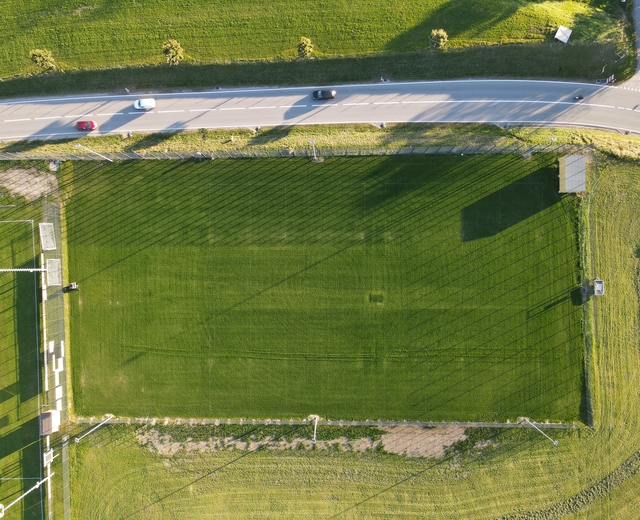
510,205
26,333
150,140
576,61
457,17
271,135
25,441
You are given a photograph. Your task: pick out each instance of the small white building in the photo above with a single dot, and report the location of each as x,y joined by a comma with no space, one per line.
563,34
49,422
573,174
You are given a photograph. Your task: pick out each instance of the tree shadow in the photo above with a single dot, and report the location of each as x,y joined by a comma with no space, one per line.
457,17
151,140
270,135
510,205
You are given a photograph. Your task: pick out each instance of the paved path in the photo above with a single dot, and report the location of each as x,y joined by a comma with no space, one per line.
488,101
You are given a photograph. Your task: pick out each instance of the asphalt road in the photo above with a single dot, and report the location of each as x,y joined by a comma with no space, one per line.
495,101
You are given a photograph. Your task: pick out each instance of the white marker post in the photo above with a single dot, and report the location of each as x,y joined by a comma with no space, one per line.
90,150
314,418
555,443
78,439
315,157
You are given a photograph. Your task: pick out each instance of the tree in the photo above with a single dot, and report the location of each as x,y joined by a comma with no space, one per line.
173,52
43,59
439,39
305,48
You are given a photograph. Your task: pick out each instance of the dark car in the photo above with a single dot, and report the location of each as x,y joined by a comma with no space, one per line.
86,125
324,94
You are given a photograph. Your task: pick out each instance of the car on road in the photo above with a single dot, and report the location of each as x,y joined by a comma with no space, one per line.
144,104
321,95
86,125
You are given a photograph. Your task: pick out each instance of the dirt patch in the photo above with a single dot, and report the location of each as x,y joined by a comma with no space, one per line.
28,183
415,441
409,441
166,445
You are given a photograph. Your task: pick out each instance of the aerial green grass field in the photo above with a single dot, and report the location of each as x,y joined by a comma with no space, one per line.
518,474
112,34
420,288
251,42
20,450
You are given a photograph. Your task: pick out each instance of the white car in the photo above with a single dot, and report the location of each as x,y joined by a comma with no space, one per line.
144,104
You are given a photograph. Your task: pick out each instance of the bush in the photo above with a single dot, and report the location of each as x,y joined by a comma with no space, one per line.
305,48
173,52
439,39
43,59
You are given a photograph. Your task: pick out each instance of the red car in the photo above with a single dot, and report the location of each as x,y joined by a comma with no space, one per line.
86,125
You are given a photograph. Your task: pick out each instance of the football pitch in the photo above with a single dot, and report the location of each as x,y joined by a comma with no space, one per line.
406,287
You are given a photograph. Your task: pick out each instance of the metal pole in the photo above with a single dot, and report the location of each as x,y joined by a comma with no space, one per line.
78,439
38,484
555,443
90,150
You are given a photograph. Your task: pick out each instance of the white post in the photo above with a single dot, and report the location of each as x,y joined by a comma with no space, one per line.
90,150
555,443
314,418
38,484
313,145
78,439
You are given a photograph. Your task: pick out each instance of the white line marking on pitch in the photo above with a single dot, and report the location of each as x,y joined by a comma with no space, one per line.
16,120
49,117
169,111
111,114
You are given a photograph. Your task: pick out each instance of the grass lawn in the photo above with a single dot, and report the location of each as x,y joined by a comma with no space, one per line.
20,450
520,473
423,288
117,33
107,46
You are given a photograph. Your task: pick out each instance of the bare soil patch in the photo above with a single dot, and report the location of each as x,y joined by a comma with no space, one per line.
28,183
409,441
415,441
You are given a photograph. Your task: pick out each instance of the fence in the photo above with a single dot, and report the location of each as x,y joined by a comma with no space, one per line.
152,421
523,149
